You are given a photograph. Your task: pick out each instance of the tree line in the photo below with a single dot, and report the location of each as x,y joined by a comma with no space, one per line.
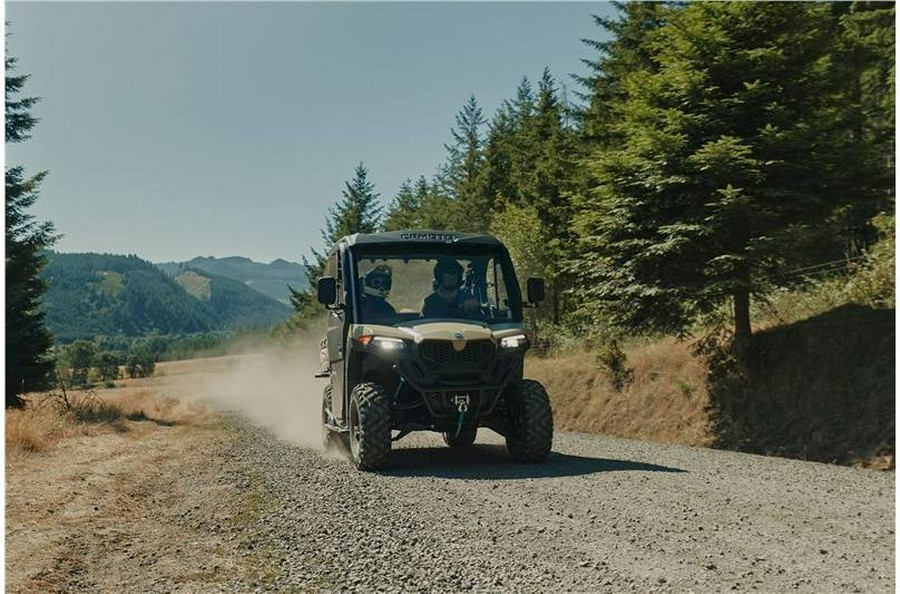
711,149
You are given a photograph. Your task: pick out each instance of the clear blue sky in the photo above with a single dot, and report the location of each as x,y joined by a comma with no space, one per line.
175,130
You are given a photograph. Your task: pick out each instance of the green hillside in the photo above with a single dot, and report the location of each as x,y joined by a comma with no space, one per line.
111,295
233,303
270,279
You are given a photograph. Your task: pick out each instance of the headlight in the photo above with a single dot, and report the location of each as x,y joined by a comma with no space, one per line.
382,342
512,342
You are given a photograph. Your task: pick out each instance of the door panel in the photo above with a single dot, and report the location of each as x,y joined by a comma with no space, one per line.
336,325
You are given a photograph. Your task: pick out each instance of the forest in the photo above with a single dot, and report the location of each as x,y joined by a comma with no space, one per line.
715,154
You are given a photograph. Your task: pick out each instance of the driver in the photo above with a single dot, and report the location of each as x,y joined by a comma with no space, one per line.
376,288
448,300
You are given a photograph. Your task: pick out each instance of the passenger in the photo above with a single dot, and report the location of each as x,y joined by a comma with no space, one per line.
448,300
376,288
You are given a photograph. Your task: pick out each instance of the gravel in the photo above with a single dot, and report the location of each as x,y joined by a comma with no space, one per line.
602,515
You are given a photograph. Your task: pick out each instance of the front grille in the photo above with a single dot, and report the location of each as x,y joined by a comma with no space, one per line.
442,351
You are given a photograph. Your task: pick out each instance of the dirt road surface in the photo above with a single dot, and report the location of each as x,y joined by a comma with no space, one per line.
243,501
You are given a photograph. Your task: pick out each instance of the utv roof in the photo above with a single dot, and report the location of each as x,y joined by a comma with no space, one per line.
419,237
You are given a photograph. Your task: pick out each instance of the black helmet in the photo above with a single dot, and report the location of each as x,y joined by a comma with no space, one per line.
377,281
447,266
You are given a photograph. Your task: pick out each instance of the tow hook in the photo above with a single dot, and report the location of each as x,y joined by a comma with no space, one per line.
462,406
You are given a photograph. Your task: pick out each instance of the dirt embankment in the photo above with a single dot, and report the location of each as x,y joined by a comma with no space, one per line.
820,389
666,400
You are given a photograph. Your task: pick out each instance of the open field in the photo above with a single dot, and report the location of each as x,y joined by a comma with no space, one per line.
117,487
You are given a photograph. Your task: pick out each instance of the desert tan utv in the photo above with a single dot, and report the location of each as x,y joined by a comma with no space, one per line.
425,333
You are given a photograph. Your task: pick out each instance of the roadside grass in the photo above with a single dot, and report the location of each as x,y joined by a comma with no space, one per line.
665,399
51,417
33,430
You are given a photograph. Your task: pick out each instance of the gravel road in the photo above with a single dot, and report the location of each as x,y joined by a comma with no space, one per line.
601,515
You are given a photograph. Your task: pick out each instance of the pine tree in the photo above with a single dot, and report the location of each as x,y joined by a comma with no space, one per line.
435,207
403,212
732,149
28,342
520,145
554,161
626,51
358,211
506,164
865,56
460,177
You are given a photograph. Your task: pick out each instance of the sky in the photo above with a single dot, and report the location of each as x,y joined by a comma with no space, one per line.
173,130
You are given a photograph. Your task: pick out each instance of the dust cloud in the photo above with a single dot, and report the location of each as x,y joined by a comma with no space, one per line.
274,389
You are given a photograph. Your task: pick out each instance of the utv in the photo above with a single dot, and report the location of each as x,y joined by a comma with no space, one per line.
425,332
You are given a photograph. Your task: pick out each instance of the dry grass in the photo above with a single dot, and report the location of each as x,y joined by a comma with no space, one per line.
36,429
665,402
51,417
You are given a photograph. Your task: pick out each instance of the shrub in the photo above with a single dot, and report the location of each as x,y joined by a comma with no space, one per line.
80,357
140,363
107,366
874,282
613,360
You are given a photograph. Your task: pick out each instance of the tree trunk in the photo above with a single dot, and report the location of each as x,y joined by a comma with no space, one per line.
742,331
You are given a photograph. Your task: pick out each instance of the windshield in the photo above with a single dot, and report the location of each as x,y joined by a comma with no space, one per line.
398,288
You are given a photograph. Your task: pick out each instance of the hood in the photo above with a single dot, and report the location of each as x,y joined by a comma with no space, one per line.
456,331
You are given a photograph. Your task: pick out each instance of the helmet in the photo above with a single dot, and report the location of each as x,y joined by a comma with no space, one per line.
447,266
377,282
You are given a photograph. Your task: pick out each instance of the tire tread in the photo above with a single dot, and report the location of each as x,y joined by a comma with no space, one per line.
374,411
533,434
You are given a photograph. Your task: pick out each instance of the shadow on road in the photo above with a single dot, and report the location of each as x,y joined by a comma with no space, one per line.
491,462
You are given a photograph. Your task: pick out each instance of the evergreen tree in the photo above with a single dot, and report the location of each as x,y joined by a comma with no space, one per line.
554,150
358,211
435,207
498,158
734,147
519,144
460,177
28,342
865,56
625,51
542,162
403,212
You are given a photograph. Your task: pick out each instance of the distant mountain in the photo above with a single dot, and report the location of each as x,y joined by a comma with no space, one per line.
269,279
233,303
103,294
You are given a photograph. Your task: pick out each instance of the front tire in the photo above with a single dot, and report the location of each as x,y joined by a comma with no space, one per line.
532,422
370,427
465,438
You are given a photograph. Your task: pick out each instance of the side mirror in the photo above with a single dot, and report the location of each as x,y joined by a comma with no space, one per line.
326,290
535,290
